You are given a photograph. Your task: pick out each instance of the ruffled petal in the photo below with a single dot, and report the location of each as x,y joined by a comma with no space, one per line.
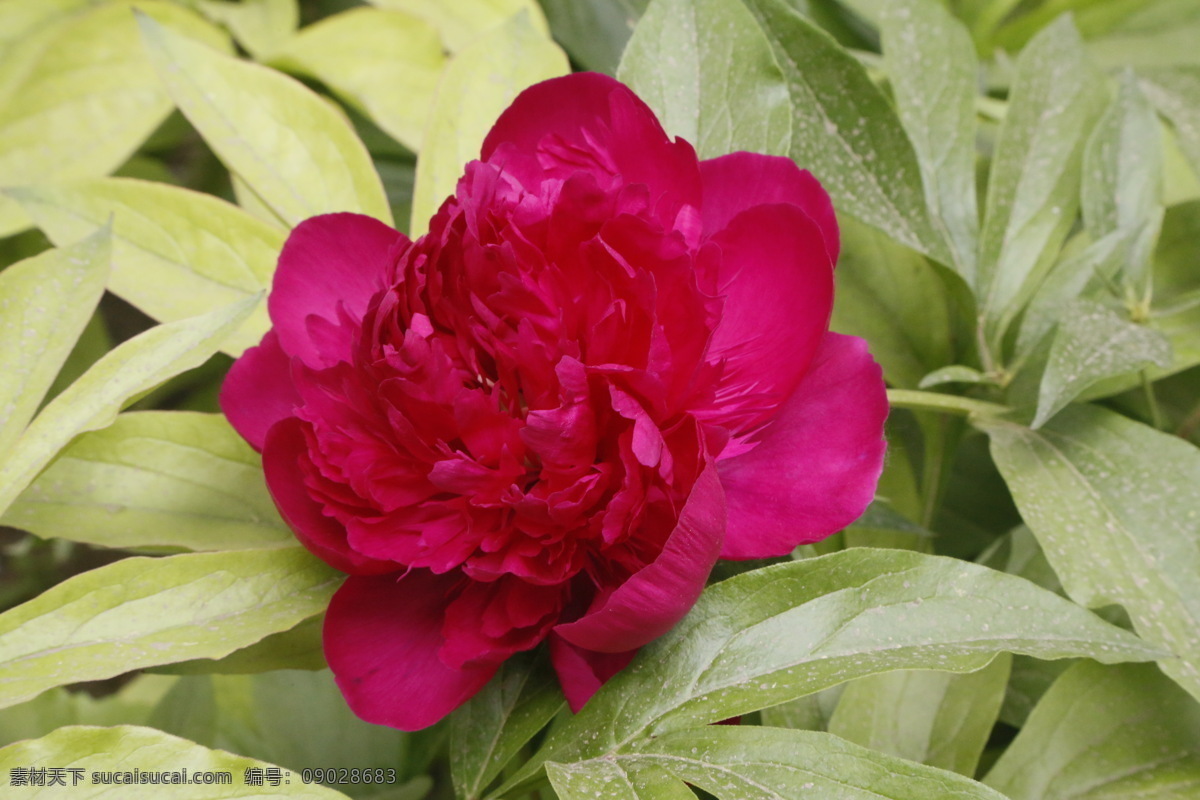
740,181
581,672
778,287
258,391
382,636
816,467
591,122
653,599
330,267
284,454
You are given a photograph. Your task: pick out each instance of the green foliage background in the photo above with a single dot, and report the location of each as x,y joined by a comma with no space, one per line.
1016,615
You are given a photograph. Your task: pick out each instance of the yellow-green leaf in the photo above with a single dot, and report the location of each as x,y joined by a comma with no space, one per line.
140,612
176,253
294,149
124,749
384,63
479,83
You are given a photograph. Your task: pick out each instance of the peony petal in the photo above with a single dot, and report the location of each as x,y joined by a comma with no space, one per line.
258,391
382,636
588,121
581,672
778,289
740,181
565,106
284,453
815,469
330,267
656,597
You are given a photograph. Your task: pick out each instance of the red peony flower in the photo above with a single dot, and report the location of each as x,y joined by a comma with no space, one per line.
605,366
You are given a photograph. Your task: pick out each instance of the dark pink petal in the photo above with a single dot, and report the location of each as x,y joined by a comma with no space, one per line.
593,123
650,603
778,287
565,106
284,454
330,267
382,636
258,391
817,464
488,622
581,672
739,181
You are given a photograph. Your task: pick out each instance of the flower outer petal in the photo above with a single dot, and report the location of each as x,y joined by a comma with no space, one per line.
283,452
652,600
258,392
777,283
382,635
739,181
581,672
815,469
330,267
591,119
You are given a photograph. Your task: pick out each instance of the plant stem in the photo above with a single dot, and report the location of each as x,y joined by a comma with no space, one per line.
1156,417
948,403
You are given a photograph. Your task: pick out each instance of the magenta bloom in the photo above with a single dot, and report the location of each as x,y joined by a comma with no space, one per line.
606,366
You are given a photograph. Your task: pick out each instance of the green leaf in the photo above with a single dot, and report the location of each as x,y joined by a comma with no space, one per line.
298,648
1093,342
881,525
21,21
139,612
294,149
132,704
176,253
1114,504
1084,273
1018,553
461,22
1121,731
955,373
935,718
495,724
127,748
478,83
1029,681
594,32
155,479
847,133
931,63
84,98
384,63
774,634
91,346
1175,274
1033,189
260,26
295,719
1123,164
898,301
1181,180
681,61
809,713
750,763
602,779
249,201
46,302
1149,48
1176,95
123,375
